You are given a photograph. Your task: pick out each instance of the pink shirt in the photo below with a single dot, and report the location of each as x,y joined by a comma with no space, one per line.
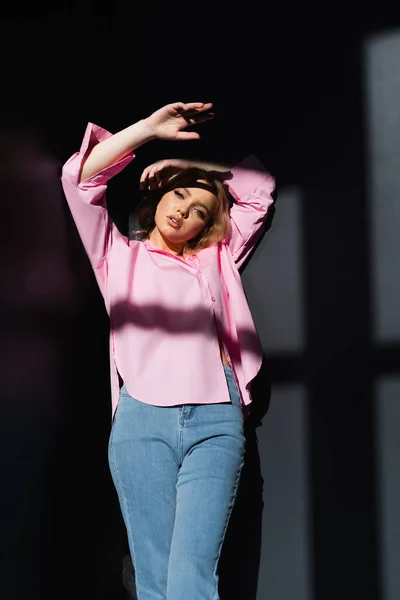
162,309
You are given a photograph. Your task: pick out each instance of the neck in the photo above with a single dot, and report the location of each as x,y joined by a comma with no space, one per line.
157,239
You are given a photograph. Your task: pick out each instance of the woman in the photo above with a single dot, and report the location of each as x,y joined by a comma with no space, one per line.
183,345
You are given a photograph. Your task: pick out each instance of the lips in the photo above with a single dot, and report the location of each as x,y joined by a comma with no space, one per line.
174,222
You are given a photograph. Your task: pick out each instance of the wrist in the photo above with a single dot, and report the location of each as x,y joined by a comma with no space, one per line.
148,131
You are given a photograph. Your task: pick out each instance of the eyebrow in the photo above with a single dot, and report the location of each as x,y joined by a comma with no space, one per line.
198,202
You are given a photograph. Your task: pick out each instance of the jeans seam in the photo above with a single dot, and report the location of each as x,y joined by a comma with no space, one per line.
181,421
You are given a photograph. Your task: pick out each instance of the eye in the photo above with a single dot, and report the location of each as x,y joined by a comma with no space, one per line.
200,213
179,194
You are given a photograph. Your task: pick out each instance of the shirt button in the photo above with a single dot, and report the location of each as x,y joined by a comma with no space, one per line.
212,298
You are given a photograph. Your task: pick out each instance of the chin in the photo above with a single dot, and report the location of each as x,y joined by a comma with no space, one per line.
176,239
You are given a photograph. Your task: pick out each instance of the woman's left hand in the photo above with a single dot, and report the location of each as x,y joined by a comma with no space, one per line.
159,173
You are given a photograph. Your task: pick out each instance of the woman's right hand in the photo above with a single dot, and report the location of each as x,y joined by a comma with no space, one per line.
167,122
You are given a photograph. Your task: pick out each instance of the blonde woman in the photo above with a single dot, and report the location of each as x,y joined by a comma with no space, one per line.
183,345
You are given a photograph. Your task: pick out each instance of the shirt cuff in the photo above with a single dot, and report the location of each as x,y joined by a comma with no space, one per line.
247,175
93,136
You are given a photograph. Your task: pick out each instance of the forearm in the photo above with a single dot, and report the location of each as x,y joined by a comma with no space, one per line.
112,149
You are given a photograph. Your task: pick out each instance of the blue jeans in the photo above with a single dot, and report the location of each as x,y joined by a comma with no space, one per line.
176,471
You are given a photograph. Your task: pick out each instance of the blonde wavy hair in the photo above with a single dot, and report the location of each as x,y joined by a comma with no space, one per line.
217,227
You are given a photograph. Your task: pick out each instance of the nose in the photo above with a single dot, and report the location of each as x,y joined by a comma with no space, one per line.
182,210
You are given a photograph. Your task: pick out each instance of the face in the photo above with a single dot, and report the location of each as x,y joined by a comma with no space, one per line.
183,212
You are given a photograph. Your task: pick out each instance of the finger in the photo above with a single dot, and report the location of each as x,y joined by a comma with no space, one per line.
160,172
148,181
144,174
143,178
142,181
187,135
199,106
179,106
190,122
193,112
200,118
197,118
157,178
190,108
190,105
152,178
150,172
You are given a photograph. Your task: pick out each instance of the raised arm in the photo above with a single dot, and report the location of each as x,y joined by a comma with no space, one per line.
87,198
101,156
251,187
166,123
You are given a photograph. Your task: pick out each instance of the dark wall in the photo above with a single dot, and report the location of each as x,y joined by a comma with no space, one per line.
314,92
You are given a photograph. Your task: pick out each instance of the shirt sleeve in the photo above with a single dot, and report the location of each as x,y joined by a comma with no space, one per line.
87,199
251,187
